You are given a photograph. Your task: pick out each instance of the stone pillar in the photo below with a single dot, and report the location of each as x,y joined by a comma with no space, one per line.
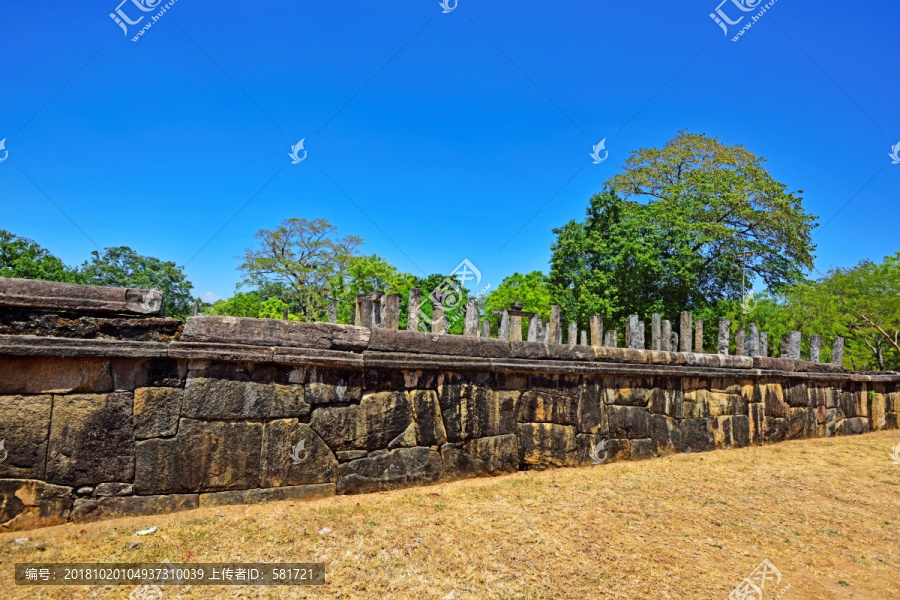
790,345
685,335
415,303
837,352
504,326
673,341
332,311
655,332
698,336
724,336
584,341
612,339
515,329
485,329
666,341
753,341
367,311
554,325
572,338
195,310
632,331
391,312
641,336
437,317
815,347
545,333
596,332
534,329
470,325
763,344
740,343
285,313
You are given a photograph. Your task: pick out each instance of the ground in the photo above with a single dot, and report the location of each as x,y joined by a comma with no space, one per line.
824,512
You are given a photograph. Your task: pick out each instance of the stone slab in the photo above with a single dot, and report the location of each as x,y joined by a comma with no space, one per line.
27,504
389,470
113,507
275,332
53,295
24,427
258,496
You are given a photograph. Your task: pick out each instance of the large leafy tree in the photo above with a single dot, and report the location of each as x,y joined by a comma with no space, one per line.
300,262
23,258
531,289
123,267
674,230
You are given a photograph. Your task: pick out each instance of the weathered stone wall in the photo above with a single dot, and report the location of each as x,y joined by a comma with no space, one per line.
244,410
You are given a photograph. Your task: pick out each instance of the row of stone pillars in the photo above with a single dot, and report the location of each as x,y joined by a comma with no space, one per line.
380,310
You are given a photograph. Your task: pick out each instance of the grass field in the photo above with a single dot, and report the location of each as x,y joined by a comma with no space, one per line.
825,512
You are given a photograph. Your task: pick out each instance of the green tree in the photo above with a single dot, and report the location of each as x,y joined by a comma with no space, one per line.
242,304
531,289
300,262
700,210
123,267
23,258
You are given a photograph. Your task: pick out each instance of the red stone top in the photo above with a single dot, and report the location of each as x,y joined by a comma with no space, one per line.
52,295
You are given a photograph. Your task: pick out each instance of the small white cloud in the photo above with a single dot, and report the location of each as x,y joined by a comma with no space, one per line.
210,297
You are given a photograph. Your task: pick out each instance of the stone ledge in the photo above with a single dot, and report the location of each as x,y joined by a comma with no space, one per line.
55,296
32,345
272,332
293,492
111,507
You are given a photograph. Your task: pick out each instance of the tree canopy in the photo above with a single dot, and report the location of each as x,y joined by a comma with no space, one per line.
23,258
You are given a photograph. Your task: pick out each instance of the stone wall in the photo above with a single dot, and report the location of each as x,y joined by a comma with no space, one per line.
244,410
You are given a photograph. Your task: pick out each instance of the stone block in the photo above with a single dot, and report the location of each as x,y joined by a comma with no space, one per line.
388,470
129,374
427,415
24,427
113,507
91,439
757,420
474,410
724,403
629,422
370,425
205,456
666,435
27,504
830,422
292,454
481,457
593,416
331,386
777,429
206,398
547,445
774,400
156,412
114,489
796,394
47,374
697,435
853,426
876,410
259,496
643,449
545,406
731,431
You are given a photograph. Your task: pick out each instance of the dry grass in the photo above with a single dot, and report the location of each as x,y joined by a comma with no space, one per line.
826,512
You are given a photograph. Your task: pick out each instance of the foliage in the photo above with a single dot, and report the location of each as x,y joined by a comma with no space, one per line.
242,304
299,261
700,207
531,289
123,267
23,258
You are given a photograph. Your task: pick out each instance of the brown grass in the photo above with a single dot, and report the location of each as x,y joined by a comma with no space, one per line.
826,512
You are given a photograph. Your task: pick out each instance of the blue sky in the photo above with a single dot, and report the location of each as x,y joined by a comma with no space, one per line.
436,137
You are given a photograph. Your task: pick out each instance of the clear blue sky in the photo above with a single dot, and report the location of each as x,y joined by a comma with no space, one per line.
436,137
